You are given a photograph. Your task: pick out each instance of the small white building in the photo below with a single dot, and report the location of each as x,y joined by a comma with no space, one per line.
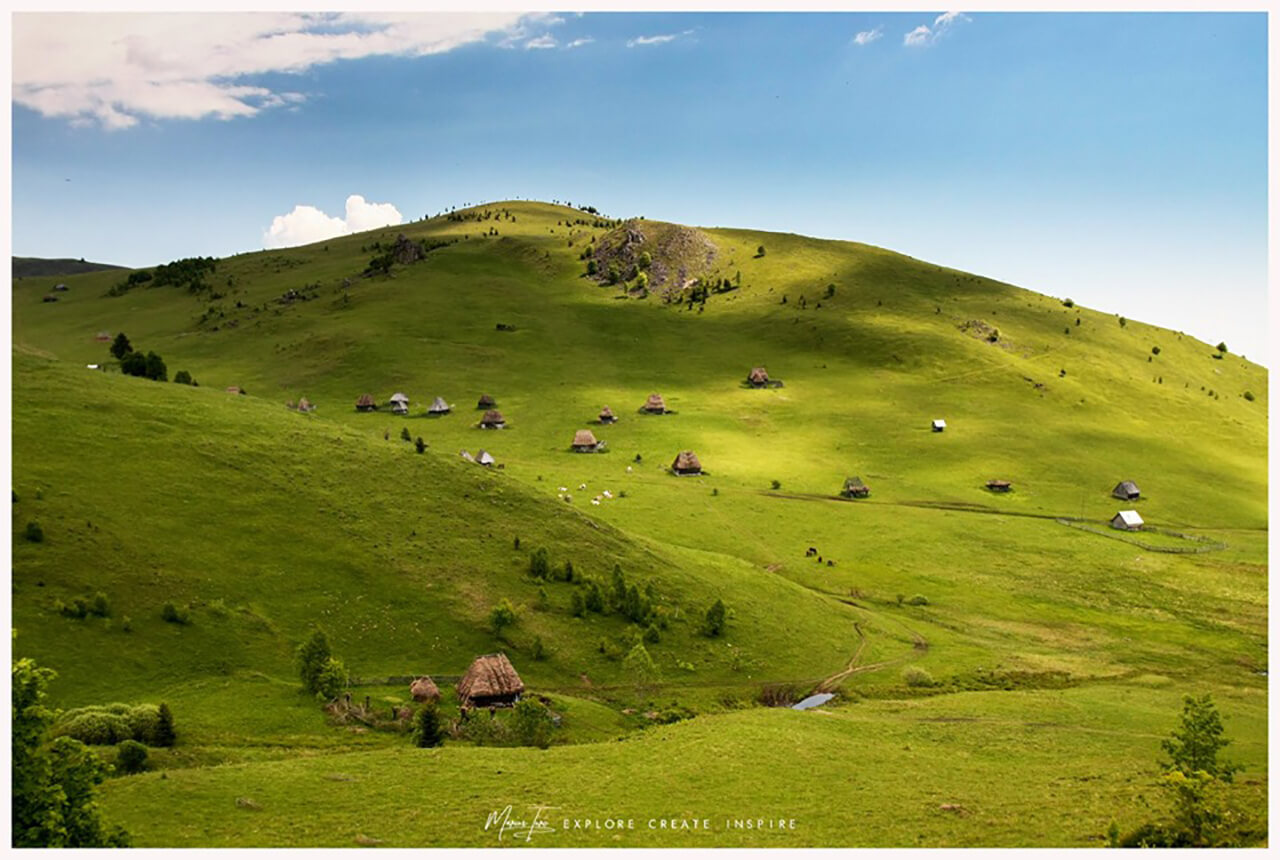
939,425
1127,520
484,458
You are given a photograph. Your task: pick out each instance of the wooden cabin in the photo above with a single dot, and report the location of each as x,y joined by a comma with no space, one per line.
654,405
1127,521
998,486
855,489
686,463
1126,490
585,442
490,681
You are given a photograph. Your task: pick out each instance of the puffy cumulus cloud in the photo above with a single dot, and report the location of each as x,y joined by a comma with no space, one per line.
112,69
925,35
307,224
578,43
543,42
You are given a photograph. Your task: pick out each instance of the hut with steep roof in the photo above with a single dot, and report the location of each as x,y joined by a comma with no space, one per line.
1127,521
998,486
585,442
486,402
484,458
654,405
492,420
855,489
938,425
686,463
438,407
305,405
1126,490
490,681
366,403
758,377
424,690
606,416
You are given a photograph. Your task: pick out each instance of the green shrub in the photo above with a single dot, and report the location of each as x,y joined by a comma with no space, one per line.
100,607
713,624
775,484
1155,350
419,445
34,533
331,680
182,378
77,608
914,676
174,615
538,651
131,757
165,735
531,724
539,564
405,434
502,616
310,657
577,606
1248,395
651,635
918,600
1068,303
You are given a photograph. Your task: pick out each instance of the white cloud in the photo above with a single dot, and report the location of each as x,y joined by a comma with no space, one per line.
919,36
655,40
116,68
866,37
542,42
923,36
578,43
307,224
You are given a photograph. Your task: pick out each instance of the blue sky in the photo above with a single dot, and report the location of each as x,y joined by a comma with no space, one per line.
1120,159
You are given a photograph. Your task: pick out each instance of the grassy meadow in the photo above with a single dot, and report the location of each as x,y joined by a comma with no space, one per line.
1058,655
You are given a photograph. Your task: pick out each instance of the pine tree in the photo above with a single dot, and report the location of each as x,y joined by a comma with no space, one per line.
120,347
165,735
426,727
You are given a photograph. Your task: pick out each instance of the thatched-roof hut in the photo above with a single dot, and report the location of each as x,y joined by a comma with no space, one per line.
424,690
305,405
486,402
399,408
686,463
758,377
492,420
998,486
1126,490
366,403
490,680
654,404
855,489
606,416
584,442
438,407
484,458
399,397
1127,521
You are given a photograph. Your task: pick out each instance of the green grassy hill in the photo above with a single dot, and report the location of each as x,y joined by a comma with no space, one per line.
266,521
26,267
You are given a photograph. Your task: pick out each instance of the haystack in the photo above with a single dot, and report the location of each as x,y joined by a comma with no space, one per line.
490,680
366,403
758,377
686,463
424,690
606,416
654,404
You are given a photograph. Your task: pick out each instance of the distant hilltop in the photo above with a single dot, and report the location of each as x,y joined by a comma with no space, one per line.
33,267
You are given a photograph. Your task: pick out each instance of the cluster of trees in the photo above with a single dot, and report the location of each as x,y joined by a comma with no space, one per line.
113,724
382,263
151,365
322,674
1200,812
188,272
53,780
